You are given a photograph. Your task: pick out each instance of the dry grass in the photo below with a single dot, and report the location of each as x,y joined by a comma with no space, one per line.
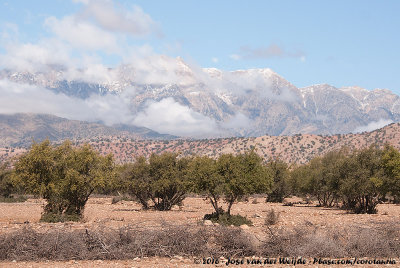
124,243
118,233
352,241
196,241
272,217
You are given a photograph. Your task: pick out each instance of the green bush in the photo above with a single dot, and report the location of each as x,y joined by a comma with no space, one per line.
227,219
59,217
117,199
11,199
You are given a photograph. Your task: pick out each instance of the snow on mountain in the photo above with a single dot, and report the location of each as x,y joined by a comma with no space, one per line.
251,102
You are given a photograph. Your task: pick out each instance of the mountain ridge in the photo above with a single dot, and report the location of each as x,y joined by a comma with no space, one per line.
19,130
251,102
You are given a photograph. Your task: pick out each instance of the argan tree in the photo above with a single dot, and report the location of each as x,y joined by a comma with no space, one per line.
391,166
362,180
280,187
207,180
135,180
6,183
162,180
64,175
320,177
231,177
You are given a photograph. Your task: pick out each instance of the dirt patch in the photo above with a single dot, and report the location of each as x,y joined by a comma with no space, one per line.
325,231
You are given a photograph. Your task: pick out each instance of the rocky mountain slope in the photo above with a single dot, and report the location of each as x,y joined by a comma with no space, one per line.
296,149
247,103
18,130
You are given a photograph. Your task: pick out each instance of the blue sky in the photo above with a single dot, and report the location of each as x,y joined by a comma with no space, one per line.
342,43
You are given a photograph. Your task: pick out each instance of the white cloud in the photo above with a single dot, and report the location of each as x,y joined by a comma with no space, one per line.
116,18
77,45
165,116
238,121
271,51
78,41
244,82
9,31
82,34
373,125
91,72
81,1
168,116
235,56
35,57
23,98
151,68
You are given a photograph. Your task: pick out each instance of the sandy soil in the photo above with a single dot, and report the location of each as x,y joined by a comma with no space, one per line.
100,212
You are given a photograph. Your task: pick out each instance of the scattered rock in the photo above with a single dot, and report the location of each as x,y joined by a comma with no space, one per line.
244,227
208,223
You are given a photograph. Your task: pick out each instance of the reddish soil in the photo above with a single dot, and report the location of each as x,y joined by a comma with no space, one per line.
100,212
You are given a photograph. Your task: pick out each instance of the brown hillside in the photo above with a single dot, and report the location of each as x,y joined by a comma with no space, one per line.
297,149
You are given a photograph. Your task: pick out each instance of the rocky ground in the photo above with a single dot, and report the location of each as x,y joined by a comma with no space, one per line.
100,212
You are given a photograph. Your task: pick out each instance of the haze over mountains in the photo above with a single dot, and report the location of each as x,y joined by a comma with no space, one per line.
184,100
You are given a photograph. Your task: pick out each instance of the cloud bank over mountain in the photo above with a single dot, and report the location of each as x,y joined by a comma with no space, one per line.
373,125
65,73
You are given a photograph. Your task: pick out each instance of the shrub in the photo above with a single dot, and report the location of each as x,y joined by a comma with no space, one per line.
59,217
11,199
226,220
272,217
117,199
198,241
124,243
310,241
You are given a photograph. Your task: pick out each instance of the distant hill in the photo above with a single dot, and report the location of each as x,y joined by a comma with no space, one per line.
296,149
18,130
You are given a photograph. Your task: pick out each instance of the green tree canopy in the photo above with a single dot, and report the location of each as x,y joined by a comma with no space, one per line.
208,181
231,177
280,187
391,165
362,180
6,183
64,175
163,179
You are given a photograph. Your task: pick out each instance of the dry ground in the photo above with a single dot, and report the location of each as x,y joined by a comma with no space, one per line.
100,212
